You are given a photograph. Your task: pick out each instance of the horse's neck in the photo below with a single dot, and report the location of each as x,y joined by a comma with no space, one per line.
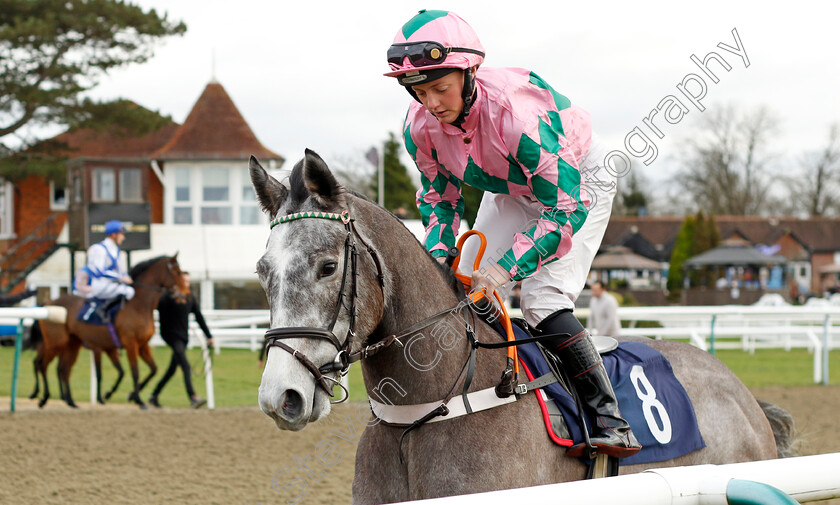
146,294
430,362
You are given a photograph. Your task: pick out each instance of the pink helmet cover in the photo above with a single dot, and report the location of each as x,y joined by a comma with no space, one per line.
446,28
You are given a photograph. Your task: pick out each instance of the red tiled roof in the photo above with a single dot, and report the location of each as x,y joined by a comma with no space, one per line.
820,234
214,130
102,143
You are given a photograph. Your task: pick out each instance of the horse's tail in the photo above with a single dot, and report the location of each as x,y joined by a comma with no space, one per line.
783,428
35,336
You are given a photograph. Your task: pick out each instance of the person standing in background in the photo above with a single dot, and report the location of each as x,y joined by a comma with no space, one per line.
603,312
174,329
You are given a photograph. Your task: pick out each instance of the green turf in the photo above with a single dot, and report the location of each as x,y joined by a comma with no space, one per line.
237,376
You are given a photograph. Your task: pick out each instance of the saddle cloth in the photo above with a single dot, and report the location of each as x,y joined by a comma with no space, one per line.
90,315
650,397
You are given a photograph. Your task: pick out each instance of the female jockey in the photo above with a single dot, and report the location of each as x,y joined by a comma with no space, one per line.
108,277
507,132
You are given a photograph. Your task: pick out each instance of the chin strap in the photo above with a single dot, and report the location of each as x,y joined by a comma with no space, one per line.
469,91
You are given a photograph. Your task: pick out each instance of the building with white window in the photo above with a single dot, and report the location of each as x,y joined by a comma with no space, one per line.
193,179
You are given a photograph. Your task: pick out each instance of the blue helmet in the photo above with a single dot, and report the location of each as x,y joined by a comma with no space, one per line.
114,226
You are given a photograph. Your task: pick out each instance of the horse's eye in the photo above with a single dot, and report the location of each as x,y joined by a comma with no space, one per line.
328,269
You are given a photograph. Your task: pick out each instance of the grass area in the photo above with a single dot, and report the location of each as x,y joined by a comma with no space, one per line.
236,375
236,378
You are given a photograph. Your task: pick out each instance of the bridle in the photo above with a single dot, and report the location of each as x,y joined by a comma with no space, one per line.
343,359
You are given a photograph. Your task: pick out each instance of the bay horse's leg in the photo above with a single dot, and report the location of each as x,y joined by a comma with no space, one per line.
65,366
114,354
97,361
131,351
146,354
36,364
48,356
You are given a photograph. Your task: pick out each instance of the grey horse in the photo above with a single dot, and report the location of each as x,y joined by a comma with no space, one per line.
315,295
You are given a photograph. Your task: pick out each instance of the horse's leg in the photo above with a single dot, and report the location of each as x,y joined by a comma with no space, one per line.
65,366
146,354
36,364
114,354
97,361
47,357
131,350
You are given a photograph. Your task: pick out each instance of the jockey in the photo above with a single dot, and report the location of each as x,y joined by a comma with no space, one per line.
108,277
507,132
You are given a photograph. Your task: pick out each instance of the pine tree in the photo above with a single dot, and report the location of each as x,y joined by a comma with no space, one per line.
51,53
681,252
400,192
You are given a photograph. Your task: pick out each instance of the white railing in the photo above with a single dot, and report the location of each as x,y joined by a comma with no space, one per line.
816,329
18,316
806,478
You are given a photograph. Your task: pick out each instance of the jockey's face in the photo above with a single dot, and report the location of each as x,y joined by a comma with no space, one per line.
442,97
118,238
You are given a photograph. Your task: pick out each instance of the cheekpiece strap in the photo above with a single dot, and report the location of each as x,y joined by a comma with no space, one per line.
344,217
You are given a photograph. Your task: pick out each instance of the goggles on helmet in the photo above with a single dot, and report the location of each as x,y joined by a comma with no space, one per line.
424,53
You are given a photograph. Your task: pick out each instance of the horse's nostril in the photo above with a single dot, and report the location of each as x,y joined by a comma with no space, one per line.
292,405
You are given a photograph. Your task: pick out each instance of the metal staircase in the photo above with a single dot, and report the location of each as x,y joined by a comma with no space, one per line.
28,252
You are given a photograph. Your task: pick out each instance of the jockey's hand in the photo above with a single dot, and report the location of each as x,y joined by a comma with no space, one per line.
493,278
210,343
441,259
127,280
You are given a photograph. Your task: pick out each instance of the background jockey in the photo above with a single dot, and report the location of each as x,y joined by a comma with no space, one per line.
507,132
109,278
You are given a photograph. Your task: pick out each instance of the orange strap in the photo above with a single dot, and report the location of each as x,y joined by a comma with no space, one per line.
467,282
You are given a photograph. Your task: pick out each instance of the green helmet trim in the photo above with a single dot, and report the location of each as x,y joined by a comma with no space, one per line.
420,20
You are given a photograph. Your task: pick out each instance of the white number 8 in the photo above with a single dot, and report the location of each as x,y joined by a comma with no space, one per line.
649,402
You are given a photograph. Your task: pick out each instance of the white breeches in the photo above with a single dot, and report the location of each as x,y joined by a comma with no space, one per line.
105,288
557,285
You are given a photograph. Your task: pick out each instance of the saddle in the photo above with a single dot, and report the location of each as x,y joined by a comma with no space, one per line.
650,397
99,312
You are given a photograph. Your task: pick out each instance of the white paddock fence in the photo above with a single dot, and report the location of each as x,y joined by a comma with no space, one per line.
707,327
748,328
806,478
18,317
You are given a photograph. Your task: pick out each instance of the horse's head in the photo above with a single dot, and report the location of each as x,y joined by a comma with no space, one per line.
161,272
304,271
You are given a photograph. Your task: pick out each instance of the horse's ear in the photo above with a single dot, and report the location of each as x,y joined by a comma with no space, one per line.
270,193
318,179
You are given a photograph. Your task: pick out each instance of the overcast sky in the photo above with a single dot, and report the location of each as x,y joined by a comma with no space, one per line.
309,73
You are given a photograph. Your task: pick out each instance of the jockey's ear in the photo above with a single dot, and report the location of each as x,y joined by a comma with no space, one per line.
319,181
270,193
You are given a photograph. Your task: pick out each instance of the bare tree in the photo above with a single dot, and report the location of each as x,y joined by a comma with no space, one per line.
354,171
727,170
815,188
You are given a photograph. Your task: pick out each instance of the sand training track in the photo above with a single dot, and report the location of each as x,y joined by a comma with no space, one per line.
117,454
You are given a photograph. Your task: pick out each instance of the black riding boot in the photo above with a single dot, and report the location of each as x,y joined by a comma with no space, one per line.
611,434
106,307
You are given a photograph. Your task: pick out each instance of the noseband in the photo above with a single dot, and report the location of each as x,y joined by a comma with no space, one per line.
341,363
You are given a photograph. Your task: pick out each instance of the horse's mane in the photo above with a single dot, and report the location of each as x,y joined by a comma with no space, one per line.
299,193
138,269
447,272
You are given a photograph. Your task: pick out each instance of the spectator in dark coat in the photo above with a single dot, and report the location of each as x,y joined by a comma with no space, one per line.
174,328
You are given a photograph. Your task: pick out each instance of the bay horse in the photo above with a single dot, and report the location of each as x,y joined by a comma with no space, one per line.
315,280
36,340
63,371
134,324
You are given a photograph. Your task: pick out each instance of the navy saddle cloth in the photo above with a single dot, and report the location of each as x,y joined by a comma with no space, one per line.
89,313
650,397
